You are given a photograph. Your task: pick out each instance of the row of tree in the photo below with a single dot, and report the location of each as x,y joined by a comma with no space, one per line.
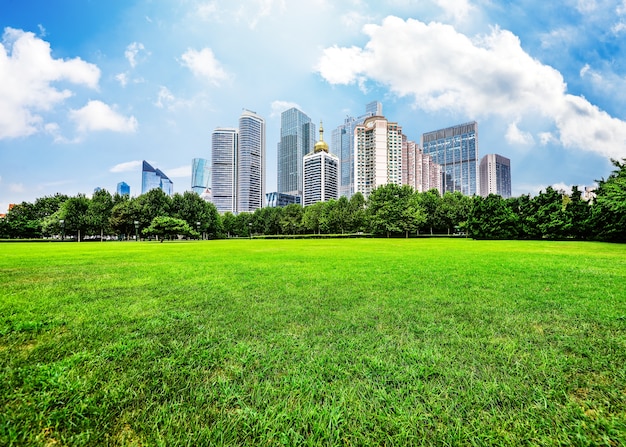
389,210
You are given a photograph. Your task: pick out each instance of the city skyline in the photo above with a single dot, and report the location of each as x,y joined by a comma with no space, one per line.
111,91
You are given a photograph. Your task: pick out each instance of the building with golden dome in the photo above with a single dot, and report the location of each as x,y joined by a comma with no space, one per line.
321,174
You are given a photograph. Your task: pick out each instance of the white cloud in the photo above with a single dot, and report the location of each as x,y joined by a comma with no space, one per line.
28,72
96,116
122,78
457,10
279,107
586,6
207,11
132,51
165,98
546,138
203,64
129,166
444,70
516,136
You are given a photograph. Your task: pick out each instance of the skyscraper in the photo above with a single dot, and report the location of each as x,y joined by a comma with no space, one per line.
123,189
250,162
342,145
321,181
495,175
200,175
223,166
155,179
297,138
378,154
456,150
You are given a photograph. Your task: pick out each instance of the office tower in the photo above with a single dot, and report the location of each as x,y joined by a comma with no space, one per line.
321,169
418,169
250,162
200,175
155,179
297,138
279,199
378,154
455,149
495,176
342,145
224,169
123,189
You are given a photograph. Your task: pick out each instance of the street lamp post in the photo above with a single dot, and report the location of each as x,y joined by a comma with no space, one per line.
62,222
250,229
136,230
198,228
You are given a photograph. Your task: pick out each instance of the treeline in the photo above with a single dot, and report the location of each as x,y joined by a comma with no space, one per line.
390,210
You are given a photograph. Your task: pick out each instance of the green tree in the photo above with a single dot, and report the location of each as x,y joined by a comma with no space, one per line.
193,209
454,209
356,208
394,209
154,203
492,217
430,202
168,227
124,214
552,221
73,212
312,216
291,219
99,212
608,219
229,223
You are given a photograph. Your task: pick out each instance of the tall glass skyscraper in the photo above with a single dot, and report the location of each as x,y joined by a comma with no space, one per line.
223,166
200,175
297,138
250,162
155,179
342,145
456,150
123,189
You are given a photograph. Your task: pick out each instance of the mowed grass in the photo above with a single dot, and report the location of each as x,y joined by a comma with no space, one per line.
318,342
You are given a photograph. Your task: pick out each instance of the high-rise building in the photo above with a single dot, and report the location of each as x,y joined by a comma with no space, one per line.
418,169
200,175
297,138
378,154
155,179
342,145
495,176
250,162
224,169
123,189
321,169
455,149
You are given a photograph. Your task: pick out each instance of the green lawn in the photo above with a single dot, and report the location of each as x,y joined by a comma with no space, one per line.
313,342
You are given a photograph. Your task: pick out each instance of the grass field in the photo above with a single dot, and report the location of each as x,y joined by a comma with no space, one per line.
317,342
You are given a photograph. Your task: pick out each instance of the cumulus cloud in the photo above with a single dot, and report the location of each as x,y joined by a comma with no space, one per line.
516,136
443,69
96,116
128,166
203,64
28,73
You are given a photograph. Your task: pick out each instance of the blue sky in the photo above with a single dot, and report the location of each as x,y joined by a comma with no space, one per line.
88,88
